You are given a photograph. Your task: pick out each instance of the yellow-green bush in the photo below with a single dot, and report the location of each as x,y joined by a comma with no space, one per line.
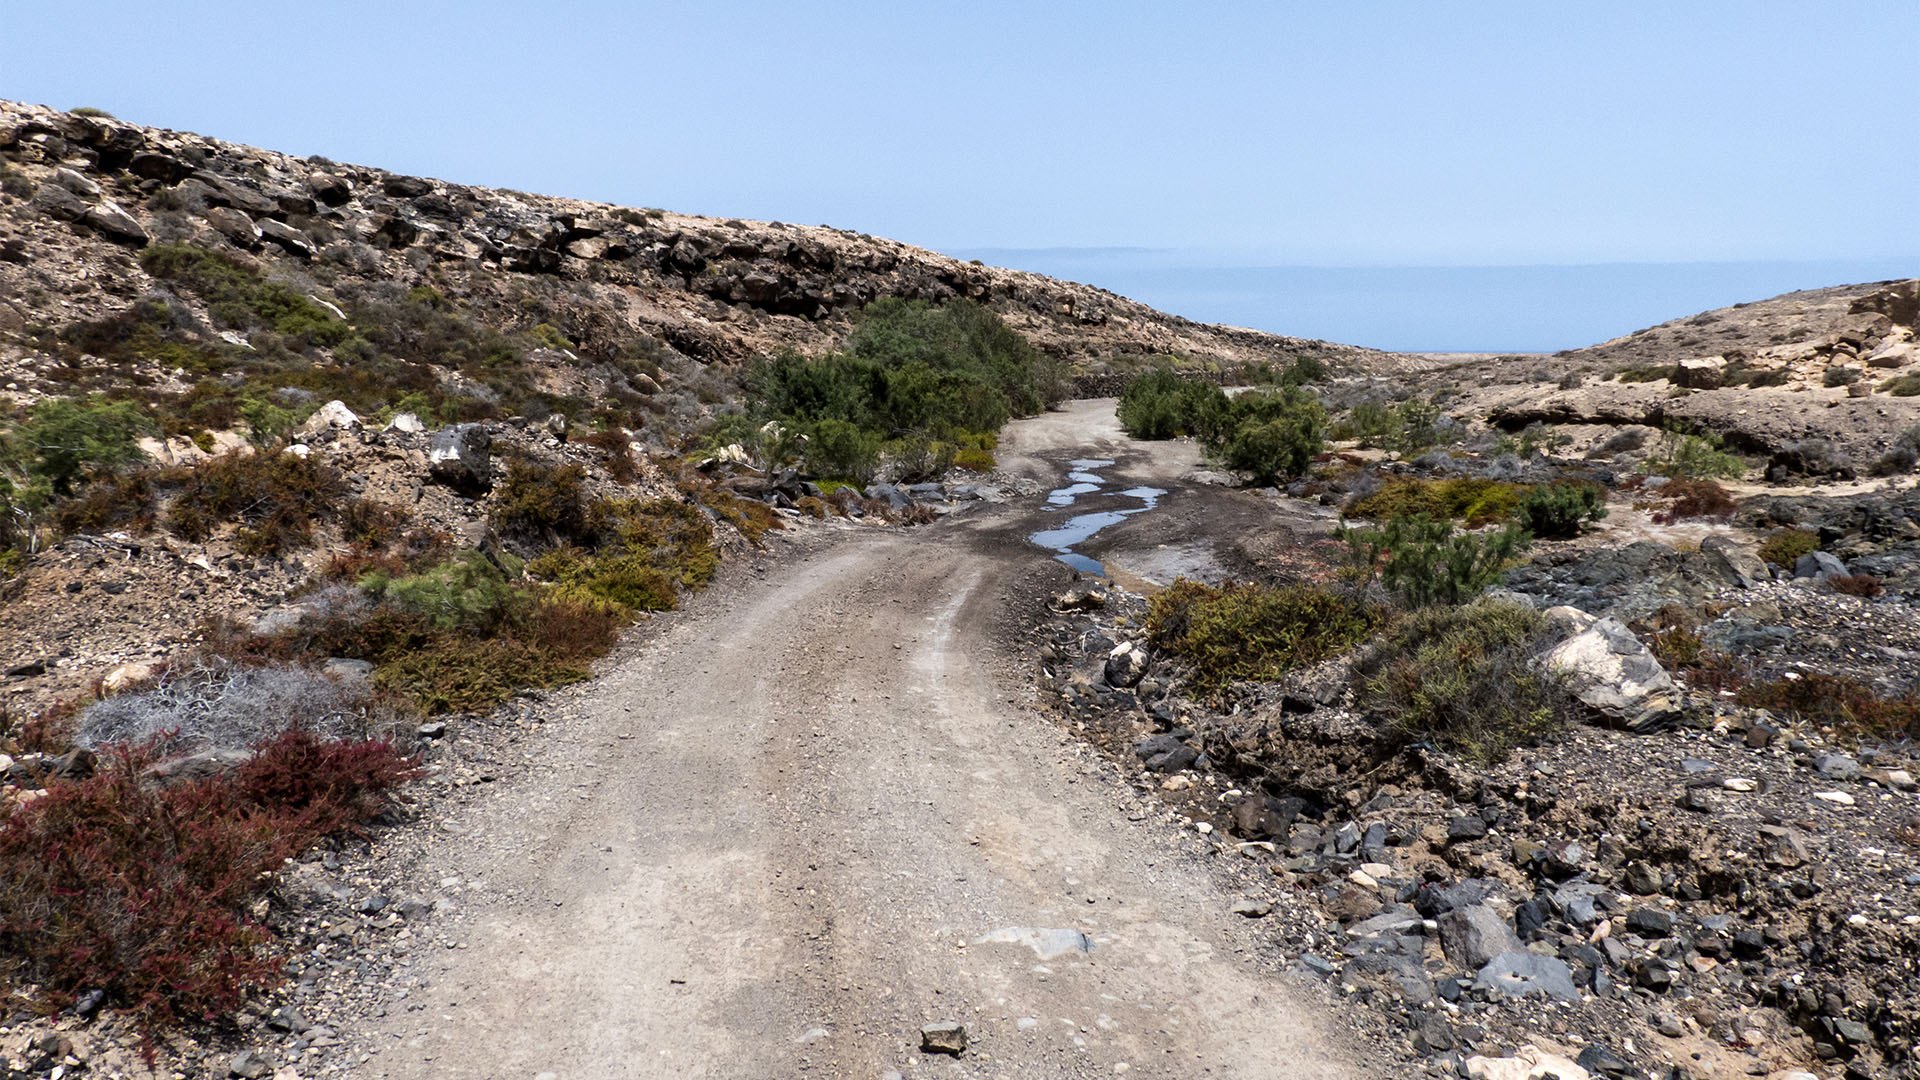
1231,631
1785,547
1467,499
1462,678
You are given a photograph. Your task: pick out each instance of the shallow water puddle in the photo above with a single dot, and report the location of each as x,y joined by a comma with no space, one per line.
1081,527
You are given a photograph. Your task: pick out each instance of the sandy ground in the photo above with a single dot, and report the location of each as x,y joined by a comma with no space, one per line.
819,812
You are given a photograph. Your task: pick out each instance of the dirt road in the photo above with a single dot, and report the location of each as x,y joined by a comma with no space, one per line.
818,813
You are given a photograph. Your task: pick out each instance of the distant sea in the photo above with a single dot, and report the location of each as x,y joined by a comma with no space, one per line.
1437,308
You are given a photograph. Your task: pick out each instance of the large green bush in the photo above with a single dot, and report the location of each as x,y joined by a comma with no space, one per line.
1160,404
1249,631
964,338
1426,562
1462,678
910,370
1273,435
911,366
840,448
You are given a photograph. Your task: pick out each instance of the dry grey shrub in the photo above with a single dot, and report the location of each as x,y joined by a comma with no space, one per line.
221,706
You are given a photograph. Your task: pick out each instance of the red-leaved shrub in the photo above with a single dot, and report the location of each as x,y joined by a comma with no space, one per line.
1695,499
1865,586
141,890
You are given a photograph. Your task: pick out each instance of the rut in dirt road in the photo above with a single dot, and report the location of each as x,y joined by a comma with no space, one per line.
819,822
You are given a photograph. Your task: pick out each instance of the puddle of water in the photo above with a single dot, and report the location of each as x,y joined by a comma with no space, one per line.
1046,943
1081,527
1083,481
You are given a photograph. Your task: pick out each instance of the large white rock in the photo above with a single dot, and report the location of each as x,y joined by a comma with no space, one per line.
334,415
1610,670
1528,1063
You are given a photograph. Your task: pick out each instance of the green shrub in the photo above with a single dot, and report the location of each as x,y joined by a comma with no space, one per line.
974,460
960,337
1407,428
1840,375
1161,405
1417,427
1696,457
1561,511
473,676
1903,386
1272,435
1647,373
842,448
1251,631
237,295
469,592
67,439
916,458
1474,500
627,581
1426,562
1304,370
910,370
1462,678
647,550
1785,546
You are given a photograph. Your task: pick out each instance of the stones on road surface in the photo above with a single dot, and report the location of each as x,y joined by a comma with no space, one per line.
945,1037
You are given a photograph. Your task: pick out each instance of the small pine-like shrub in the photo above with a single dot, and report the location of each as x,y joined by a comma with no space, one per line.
1231,631
840,448
1426,562
66,439
1272,435
1462,678
1696,457
1561,511
1903,386
1785,547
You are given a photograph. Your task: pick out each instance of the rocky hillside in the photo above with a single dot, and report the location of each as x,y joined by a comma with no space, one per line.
83,191
1835,367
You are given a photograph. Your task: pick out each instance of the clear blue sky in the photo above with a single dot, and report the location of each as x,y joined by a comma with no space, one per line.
1414,133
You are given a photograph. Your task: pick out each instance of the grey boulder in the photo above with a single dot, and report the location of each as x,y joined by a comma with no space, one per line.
1475,934
461,457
